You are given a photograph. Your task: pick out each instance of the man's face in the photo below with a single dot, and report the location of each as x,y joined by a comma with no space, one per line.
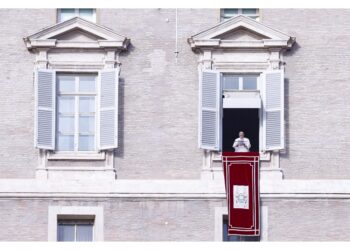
241,134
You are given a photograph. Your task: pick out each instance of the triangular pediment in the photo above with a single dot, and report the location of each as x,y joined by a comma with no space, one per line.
76,33
240,31
241,34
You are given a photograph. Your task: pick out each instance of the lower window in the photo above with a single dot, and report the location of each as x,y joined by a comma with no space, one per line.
75,230
225,237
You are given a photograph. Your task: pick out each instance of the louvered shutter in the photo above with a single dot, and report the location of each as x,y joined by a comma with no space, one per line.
108,109
45,114
210,110
273,100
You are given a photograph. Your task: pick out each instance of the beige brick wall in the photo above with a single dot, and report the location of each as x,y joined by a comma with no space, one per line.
125,219
308,220
159,97
18,157
179,220
317,92
158,102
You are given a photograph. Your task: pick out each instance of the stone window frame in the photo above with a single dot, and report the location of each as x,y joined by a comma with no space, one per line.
76,213
105,51
209,43
220,212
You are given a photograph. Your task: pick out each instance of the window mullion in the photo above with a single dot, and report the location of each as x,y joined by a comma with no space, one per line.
75,232
76,116
240,83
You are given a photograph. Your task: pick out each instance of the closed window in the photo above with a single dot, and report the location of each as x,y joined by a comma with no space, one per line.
76,112
240,82
65,14
75,230
228,13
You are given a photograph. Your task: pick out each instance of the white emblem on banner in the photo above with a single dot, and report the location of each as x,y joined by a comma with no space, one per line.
240,197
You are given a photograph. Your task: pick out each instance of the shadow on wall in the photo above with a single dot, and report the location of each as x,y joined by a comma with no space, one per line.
285,153
292,50
119,152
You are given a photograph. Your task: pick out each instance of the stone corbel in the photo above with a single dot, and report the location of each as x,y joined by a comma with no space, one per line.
206,59
41,59
274,58
112,59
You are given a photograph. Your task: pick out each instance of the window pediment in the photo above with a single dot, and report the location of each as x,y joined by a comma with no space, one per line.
76,33
240,32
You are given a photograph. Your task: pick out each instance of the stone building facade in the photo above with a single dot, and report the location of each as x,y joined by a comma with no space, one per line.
149,174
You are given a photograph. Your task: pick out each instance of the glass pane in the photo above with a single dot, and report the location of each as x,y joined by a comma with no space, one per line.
249,11
65,142
225,236
65,233
87,83
86,124
250,82
65,14
86,143
86,14
66,124
66,83
84,232
65,105
231,82
87,104
230,12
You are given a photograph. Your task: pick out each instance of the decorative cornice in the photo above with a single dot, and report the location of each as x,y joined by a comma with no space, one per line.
107,38
271,38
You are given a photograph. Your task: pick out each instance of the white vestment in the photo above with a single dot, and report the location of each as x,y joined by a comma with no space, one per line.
241,145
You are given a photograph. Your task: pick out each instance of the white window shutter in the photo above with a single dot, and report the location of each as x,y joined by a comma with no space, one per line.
210,110
108,109
45,114
273,104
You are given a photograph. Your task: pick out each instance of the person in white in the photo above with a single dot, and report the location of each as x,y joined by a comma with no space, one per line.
241,144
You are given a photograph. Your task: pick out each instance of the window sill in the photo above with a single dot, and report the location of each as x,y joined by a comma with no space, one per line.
76,156
264,156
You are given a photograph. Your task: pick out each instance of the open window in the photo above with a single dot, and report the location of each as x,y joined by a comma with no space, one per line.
241,46
253,103
236,120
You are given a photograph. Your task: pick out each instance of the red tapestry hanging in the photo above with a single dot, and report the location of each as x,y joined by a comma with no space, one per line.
241,171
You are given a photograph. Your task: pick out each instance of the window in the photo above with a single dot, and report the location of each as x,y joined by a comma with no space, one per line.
270,99
226,237
76,112
240,82
65,14
75,223
67,111
228,13
75,230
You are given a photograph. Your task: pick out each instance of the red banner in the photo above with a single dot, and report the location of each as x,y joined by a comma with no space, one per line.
241,172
